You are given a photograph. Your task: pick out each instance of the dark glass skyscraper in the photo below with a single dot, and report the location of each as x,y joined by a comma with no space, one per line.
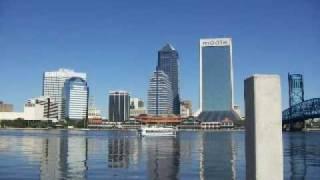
119,103
169,64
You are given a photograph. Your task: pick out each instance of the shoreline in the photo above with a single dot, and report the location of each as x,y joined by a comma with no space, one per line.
134,129
114,129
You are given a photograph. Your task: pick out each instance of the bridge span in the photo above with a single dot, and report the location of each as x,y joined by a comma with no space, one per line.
300,112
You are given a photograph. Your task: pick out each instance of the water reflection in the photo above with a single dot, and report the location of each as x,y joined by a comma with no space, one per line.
302,155
297,147
217,158
163,157
62,154
64,157
118,153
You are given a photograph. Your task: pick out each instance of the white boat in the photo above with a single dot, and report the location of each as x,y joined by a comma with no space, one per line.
157,131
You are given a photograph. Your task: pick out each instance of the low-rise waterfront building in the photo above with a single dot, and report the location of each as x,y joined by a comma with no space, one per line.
164,120
217,125
42,108
33,111
11,115
46,104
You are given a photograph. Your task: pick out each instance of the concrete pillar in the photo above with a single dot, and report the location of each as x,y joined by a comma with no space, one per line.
264,153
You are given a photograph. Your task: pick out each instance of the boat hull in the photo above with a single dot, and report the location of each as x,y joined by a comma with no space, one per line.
155,132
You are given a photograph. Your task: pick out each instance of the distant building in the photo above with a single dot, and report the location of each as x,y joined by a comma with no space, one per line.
216,80
75,99
11,115
164,120
296,90
136,107
33,111
185,108
119,102
168,62
5,107
136,103
160,94
94,114
53,84
48,108
237,109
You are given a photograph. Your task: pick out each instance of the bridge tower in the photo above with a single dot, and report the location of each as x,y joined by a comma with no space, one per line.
296,96
296,90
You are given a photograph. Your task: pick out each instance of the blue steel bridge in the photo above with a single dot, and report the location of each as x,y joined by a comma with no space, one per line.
302,111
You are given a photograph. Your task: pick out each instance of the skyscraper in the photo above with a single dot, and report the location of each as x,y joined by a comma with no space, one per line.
216,80
160,94
75,98
169,64
53,83
296,91
119,102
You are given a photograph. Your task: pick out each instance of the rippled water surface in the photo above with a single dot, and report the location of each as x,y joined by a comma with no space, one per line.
63,154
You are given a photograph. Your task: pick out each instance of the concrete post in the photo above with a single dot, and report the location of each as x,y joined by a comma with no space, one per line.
264,153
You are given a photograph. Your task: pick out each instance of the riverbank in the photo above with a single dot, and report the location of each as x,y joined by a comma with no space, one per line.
311,129
123,129
114,129
134,129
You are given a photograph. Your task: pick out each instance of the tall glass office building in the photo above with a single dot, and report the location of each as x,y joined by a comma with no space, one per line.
119,106
216,80
168,63
53,84
75,98
160,94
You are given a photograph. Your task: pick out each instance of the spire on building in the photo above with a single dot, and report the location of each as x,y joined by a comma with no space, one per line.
168,47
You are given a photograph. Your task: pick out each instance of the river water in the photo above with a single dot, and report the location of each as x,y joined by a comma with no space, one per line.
75,154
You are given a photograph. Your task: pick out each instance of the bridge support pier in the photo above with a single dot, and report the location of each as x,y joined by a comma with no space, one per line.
264,156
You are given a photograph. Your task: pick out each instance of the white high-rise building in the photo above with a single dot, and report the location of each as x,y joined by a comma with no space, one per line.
75,99
53,83
160,94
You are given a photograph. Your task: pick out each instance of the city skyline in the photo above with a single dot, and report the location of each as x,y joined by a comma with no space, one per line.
89,44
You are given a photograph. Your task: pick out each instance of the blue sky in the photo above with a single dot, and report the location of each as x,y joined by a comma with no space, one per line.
116,42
